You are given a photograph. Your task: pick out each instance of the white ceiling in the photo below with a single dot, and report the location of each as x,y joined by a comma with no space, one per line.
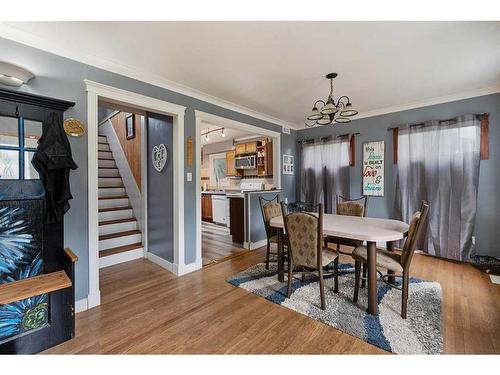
277,68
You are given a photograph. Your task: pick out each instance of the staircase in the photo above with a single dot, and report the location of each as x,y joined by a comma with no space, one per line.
120,239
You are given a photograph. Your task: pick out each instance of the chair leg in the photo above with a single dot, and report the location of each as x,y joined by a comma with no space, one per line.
363,280
336,277
268,251
338,247
322,289
357,273
303,276
404,302
290,276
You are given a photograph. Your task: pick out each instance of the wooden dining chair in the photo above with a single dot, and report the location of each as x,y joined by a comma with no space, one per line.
270,209
350,207
305,247
394,261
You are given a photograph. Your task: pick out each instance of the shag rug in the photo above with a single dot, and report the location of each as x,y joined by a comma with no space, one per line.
420,333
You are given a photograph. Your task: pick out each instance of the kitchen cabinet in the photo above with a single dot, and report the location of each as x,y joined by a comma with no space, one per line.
230,169
240,148
265,159
206,207
246,148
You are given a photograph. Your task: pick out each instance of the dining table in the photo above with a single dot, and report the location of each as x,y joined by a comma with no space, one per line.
367,229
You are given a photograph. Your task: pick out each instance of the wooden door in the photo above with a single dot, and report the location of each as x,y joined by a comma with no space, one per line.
230,167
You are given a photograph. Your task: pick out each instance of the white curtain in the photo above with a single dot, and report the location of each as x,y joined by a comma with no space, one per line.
324,172
439,162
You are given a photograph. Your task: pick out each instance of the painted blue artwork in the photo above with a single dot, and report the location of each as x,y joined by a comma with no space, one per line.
21,257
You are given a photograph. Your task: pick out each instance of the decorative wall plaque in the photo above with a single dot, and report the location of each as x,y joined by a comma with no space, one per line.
373,168
190,151
159,157
74,127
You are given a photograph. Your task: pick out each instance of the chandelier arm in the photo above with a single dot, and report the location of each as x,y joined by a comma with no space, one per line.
344,96
319,101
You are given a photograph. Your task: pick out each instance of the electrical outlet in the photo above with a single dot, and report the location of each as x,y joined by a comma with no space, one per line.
189,176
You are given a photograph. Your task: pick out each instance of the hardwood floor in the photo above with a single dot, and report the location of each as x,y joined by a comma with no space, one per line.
146,309
217,244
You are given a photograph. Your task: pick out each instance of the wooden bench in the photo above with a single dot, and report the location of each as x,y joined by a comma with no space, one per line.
37,285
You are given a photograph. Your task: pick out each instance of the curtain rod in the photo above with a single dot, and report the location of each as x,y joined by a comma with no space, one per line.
440,121
324,139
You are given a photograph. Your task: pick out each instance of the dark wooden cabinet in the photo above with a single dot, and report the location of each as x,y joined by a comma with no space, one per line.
237,225
206,207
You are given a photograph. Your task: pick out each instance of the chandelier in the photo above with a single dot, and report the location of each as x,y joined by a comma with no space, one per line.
331,111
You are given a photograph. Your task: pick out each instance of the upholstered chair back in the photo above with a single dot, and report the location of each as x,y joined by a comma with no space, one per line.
304,237
270,209
351,207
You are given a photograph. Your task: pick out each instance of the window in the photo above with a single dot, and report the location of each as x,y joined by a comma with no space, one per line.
18,143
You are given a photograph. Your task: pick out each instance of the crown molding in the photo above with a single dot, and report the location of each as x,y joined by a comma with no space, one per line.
74,53
428,102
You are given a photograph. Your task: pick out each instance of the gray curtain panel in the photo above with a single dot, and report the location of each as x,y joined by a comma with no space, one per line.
324,172
439,162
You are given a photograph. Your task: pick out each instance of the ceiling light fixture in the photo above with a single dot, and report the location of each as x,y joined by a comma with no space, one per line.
330,111
207,138
13,75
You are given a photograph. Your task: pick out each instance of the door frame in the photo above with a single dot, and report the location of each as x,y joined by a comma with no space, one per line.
205,117
95,91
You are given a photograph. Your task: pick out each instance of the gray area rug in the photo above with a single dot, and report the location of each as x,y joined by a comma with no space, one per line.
420,333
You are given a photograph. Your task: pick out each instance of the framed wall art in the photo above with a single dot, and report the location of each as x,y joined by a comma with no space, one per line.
373,168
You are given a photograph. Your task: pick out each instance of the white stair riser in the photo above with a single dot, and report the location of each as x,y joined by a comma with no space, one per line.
105,154
115,215
120,241
114,181
118,227
106,163
104,172
110,203
121,257
102,138
111,192
103,147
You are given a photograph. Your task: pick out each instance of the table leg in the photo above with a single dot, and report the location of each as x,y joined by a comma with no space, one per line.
390,247
372,278
281,261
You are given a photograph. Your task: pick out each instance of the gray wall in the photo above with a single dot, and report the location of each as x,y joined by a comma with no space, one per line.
375,128
62,78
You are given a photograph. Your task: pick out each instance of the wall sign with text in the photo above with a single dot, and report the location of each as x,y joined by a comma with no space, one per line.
373,168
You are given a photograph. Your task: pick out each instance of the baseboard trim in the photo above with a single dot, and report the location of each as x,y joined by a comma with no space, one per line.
162,262
126,256
81,305
495,279
255,245
191,267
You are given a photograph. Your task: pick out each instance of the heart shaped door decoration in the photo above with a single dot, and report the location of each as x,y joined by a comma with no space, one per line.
160,156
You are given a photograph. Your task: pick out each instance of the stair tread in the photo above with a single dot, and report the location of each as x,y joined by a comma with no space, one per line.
119,234
112,187
107,168
117,221
115,209
119,249
119,197
105,159
110,177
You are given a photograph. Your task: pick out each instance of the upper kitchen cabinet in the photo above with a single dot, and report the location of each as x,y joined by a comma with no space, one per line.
246,148
230,168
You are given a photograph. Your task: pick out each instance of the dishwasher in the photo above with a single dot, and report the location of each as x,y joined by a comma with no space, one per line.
219,207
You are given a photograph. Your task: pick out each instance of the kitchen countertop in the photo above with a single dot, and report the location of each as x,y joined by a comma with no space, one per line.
237,193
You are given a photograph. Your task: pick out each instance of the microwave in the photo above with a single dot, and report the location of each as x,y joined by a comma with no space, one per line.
245,162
